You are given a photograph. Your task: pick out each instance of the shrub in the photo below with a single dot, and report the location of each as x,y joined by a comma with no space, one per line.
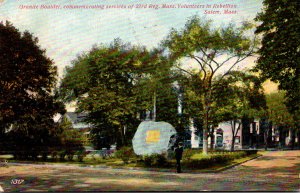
81,154
125,153
148,160
70,152
170,154
54,155
200,161
155,160
250,152
187,154
160,160
239,155
70,155
218,158
62,155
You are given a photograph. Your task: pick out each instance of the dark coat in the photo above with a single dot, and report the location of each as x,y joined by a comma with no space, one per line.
178,153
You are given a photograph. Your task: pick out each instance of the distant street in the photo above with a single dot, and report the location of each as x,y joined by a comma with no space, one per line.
275,171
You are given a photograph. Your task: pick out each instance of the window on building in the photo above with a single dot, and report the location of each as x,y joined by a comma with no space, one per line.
237,140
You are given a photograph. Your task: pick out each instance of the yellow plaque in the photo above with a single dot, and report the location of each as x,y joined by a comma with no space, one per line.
153,136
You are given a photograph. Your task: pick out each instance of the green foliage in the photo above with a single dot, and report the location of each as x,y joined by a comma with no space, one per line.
117,82
242,98
198,35
62,154
201,161
210,48
27,105
110,97
104,133
70,155
125,153
81,155
237,96
65,141
158,160
277,111
54,155
187,154
148,160
251,152
70,140
279,53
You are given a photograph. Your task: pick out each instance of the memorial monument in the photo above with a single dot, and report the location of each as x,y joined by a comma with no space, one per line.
153,138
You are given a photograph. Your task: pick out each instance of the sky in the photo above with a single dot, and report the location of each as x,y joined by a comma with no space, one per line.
65,32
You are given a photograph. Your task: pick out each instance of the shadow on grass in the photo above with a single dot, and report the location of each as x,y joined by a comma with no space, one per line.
293,170
82,180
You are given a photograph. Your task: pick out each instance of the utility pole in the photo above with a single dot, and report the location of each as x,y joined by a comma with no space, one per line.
154,106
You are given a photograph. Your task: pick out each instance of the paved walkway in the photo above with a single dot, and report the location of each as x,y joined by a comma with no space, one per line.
275,171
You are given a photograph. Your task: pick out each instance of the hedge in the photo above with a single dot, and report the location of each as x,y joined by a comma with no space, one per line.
158,160
214,158
125,153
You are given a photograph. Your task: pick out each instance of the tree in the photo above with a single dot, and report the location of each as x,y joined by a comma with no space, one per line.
117,84
70,139
109,73
27,79
161,90
279,55
208,47
278,114
111,83
242,98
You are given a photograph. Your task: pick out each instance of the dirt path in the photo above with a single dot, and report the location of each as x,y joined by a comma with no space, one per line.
275,171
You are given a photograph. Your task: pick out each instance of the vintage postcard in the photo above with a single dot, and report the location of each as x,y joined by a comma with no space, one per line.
149,95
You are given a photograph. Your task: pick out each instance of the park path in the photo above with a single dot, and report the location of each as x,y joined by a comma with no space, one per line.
274,171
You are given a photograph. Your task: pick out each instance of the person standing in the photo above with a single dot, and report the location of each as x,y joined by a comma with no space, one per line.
178,156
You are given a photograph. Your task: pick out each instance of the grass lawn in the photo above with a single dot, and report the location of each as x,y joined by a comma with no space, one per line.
223,166
134,163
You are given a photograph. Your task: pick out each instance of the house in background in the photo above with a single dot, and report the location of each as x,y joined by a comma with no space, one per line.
78,123
283,137
248,136
223,136
251,135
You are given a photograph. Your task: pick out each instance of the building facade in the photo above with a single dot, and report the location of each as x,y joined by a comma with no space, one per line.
246,135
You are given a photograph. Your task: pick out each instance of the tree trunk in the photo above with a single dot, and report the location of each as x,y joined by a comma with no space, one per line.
234,131
257,137
207,102
211,141
281,138
154,106
266,132
122,131
232,144
212,138
293,138
232,123
298,141
205,131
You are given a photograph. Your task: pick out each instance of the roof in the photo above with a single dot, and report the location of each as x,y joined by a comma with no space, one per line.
77,120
